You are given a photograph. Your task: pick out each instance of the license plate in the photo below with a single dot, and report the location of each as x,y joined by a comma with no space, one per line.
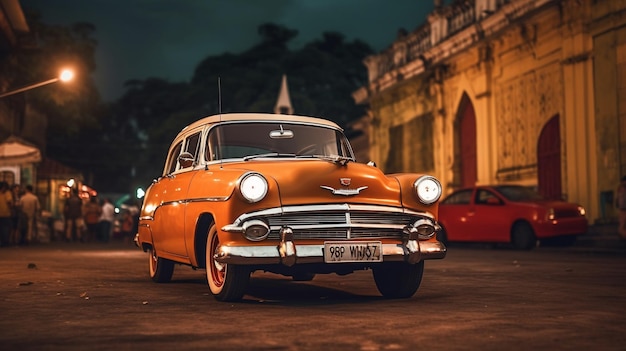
353,251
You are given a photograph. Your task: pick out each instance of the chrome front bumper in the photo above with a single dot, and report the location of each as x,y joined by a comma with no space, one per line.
288,253
410,230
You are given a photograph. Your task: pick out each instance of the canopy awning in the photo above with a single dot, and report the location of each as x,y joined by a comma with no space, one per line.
15,151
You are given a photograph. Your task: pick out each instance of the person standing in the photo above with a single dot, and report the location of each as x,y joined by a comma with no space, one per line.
30,206
18,219
133,207
127,226
92,212
6,202
621,207
73,213
106,221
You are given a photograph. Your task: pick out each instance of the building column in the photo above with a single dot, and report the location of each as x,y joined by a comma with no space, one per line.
579,134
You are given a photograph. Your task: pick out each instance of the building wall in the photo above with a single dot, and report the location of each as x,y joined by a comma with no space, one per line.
520,64
609,66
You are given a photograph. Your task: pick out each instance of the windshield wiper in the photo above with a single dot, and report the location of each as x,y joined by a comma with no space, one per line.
342,160
269,154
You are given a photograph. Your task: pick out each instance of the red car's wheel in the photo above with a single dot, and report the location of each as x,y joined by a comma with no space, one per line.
227,282
523,236
161,270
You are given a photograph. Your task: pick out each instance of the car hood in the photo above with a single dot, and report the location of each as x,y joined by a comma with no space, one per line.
321,181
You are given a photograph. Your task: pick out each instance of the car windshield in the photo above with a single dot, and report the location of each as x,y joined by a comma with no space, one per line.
272,139
518,193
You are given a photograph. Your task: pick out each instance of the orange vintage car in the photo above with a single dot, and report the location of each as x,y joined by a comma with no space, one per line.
283,194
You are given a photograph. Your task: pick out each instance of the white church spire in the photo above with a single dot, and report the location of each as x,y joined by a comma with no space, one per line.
283,104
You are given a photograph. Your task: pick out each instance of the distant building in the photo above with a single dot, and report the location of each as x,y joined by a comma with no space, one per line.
529,92
23,129
357,132
19,153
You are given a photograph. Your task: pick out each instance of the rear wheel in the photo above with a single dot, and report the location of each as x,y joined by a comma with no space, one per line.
397,280
227,282
161,269
523,236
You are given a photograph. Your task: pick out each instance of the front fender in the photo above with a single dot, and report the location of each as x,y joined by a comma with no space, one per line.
409,197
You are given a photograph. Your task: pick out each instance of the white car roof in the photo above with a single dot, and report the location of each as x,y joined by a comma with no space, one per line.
227,117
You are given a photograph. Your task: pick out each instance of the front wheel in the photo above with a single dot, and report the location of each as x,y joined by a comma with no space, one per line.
523,236
227,282
398,280
161,269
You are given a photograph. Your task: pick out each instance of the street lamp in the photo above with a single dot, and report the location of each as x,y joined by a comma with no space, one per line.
65,76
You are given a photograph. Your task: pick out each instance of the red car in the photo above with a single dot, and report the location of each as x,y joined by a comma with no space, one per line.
509,214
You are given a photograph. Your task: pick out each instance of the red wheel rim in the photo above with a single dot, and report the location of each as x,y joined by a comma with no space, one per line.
218,270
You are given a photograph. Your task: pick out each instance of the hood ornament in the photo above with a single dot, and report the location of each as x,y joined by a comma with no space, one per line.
344,192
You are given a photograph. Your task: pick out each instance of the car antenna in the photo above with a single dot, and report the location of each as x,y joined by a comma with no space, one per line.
219,108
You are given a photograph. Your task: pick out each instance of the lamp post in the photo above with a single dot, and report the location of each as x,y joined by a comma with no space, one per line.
65,76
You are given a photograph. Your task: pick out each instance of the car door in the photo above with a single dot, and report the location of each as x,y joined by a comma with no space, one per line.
490,218
453,215
169,220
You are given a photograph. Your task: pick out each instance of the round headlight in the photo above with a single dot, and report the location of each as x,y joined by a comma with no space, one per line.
253,187
428,189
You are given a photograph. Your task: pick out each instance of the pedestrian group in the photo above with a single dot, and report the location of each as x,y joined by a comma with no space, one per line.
84,220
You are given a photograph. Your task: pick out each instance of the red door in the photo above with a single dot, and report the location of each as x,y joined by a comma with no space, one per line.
549,160
468,143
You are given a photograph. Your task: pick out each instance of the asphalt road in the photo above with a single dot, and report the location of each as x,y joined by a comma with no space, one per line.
71,296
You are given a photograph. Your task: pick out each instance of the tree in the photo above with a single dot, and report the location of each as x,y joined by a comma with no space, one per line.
124,144
71,109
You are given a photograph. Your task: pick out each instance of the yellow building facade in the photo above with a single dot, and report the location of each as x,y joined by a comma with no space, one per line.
529,92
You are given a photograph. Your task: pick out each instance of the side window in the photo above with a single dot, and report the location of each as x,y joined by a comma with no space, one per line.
485,197
172,159
191,145
460,198
212,148
344,146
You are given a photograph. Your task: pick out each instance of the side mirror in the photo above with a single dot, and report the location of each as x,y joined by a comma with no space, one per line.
185,160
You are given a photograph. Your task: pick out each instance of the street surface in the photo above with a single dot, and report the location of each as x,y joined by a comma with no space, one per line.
72,296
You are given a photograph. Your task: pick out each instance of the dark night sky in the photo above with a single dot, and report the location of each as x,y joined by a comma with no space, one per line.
138,39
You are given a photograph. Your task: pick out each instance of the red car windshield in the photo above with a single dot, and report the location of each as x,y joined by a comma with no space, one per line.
518,193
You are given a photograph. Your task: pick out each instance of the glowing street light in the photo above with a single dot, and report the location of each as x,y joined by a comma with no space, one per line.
65,76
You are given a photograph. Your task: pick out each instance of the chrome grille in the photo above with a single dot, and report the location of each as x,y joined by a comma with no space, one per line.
305,219
343,224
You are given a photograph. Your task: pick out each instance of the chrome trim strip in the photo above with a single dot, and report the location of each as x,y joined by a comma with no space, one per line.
182,202
210,199
340,226
344,192
199,199
319,208
254,255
